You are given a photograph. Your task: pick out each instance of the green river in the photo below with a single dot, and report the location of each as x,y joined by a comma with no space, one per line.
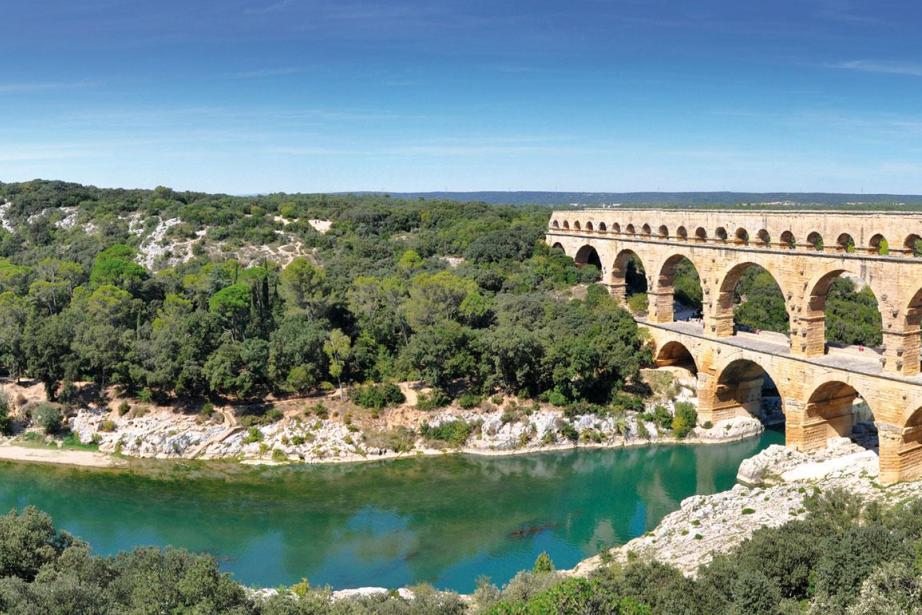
443,520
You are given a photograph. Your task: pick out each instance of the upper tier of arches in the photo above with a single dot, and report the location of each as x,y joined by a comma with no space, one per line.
867,235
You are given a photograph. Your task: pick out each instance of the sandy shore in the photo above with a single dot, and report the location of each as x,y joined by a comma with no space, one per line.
87,459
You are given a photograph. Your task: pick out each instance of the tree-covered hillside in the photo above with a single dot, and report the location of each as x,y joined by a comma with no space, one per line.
139,288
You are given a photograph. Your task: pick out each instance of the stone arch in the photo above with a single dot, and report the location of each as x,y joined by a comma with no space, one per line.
788,241
845,243
741,236
723,325
764,238
602,227
558,246
675,354
566,225
831,412
587,255
721,233
913,245
616,228
589,226
816,241
813,328
646,230
701,235
682,233
879,245
665,294
912,342
622,270
629,229
740,389
576,225
906,460
555,224
663,232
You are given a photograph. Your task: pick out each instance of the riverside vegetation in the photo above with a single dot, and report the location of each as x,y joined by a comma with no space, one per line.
843,557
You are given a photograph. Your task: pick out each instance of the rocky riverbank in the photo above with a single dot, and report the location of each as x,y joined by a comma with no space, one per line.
777,481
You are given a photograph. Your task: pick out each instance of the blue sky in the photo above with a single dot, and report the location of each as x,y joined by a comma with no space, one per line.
248,96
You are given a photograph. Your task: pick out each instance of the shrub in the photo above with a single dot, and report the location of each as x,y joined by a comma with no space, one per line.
6,423
377,395
543,563
48,417
469,400
253,435
454,433
399,440
124,408
107,425
437,398
207,410
556,398
662,417
638,303
279,455
568,431
684,420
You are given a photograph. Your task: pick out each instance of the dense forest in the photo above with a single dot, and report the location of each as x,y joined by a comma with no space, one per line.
464,296
843,557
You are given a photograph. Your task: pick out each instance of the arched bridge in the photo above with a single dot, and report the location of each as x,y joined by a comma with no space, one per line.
805,252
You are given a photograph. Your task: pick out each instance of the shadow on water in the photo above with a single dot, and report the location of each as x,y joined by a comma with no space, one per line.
443,520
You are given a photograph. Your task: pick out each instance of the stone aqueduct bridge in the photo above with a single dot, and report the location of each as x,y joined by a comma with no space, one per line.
804,252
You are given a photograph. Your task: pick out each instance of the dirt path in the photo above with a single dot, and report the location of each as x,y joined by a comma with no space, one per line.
89,459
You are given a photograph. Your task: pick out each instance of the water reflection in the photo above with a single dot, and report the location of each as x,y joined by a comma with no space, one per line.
443,520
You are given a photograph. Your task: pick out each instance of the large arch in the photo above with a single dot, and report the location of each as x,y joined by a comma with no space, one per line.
851,328
745,388
912,340
724,310
667,295
628,275
831,411
675,354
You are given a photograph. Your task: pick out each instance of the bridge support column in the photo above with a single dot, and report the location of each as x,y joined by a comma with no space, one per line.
901,352
661,309
808,336
618,290
900,453
719,325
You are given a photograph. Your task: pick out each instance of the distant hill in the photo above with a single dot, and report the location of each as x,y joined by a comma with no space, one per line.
671,198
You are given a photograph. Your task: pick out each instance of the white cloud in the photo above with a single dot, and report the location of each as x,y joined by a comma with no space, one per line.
886,67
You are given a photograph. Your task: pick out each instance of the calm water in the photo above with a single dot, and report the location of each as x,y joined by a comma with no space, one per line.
444,520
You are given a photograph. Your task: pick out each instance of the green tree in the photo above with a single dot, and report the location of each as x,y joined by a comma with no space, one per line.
338,348
115,266
304,288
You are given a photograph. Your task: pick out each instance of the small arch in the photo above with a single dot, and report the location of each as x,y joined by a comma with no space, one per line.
765,240
555,224
741,236
576,225
879,245
589,226
913,245
629,229
788,241
663,232
682,233
844,413
815,240
587,255
646,230
845,243
566,225
616,228
602,227
675,354
558,246
701,235
721,233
